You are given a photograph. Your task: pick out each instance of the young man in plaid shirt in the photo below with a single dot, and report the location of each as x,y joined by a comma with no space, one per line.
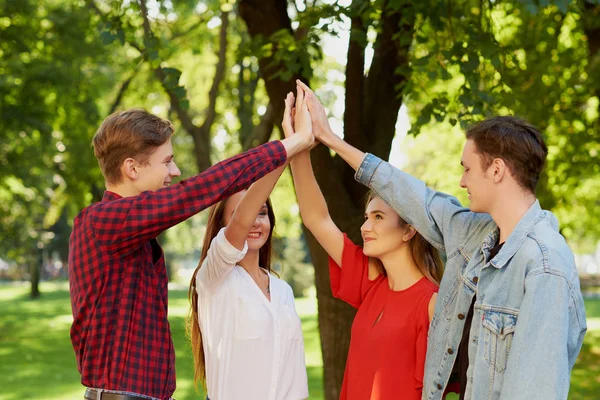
117,275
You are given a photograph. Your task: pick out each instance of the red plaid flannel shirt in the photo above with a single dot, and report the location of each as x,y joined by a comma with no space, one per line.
118,279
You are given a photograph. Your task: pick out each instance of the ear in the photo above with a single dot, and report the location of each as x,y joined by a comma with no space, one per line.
129,168
498,169
409,234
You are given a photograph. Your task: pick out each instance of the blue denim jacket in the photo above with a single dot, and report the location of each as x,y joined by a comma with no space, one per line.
529,319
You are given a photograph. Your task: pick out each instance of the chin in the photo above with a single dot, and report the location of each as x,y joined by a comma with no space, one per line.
256,244
368,252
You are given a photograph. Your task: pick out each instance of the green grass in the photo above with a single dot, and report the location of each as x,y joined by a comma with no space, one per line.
37,360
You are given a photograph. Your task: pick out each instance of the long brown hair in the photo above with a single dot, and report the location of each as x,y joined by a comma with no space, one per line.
213,226
426,256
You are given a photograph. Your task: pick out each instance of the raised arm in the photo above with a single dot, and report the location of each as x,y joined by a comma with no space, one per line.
313,208
248,208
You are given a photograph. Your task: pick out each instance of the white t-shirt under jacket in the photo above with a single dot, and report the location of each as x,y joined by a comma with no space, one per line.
253,348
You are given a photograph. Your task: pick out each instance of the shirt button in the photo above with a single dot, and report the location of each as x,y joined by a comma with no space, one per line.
439,386
475,279
450,351
461,316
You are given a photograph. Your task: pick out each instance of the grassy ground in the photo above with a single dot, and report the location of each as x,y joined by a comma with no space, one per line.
37,360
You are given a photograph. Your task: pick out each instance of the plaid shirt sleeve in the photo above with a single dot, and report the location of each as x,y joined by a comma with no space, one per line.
131,221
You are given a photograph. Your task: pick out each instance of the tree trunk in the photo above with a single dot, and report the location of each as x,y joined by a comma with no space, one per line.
35,267
372,104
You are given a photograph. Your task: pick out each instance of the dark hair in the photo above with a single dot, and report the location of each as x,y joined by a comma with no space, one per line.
515,141
213,226
133,133
426,256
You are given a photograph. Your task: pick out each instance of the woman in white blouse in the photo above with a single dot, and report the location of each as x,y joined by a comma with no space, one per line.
246,336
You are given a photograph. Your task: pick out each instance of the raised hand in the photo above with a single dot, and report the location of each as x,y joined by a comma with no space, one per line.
296,125
288,116
320,124
302,117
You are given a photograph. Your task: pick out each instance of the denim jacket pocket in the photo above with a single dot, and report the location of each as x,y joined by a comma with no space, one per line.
499,329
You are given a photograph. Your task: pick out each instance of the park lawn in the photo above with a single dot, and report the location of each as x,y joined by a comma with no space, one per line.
37,360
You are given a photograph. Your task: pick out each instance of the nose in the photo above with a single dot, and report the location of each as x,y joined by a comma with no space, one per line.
256,222
365,227
462,182
174,170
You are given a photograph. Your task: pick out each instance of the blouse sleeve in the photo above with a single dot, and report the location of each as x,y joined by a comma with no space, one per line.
350,282
220,259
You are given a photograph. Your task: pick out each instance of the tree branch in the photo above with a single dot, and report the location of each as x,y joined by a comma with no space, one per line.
200,135
219,75
122,90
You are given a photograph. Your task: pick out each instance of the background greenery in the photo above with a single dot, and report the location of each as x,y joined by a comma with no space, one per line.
400,79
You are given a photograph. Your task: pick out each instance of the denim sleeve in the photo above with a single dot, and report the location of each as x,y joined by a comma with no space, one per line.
439,217
547,339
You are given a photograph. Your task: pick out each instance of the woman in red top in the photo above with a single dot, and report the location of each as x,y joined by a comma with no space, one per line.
392,281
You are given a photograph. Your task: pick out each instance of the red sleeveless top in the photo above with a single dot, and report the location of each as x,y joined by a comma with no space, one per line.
389,334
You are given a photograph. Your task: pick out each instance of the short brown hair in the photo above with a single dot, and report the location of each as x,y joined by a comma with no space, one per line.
133,133
518,143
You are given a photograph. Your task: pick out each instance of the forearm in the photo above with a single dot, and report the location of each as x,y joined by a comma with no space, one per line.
349,153
310,198
249,207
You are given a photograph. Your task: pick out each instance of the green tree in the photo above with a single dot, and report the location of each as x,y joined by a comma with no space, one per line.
50,60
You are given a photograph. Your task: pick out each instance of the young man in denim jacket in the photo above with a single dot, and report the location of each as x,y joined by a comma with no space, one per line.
509,275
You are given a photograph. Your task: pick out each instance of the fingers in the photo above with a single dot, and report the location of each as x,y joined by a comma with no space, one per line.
304,87
299,97
286,124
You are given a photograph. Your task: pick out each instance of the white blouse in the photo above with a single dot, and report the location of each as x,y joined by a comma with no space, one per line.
253,348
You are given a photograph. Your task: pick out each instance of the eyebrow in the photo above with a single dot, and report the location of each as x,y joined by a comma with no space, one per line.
376,212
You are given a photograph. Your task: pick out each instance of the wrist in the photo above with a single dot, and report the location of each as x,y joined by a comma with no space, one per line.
329,139
295,144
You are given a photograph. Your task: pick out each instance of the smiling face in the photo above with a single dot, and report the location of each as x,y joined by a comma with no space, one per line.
159,170
261,228
383,231
476,179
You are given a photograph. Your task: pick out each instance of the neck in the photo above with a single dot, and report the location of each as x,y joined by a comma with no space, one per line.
401,268
509,210
250,263
123,190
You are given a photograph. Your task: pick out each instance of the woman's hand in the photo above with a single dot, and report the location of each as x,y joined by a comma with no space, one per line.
288,116
320,124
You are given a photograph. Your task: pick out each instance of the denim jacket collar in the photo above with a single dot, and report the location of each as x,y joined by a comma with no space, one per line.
534,215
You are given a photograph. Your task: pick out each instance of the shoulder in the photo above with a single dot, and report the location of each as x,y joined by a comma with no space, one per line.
282,287
546,249
427,299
